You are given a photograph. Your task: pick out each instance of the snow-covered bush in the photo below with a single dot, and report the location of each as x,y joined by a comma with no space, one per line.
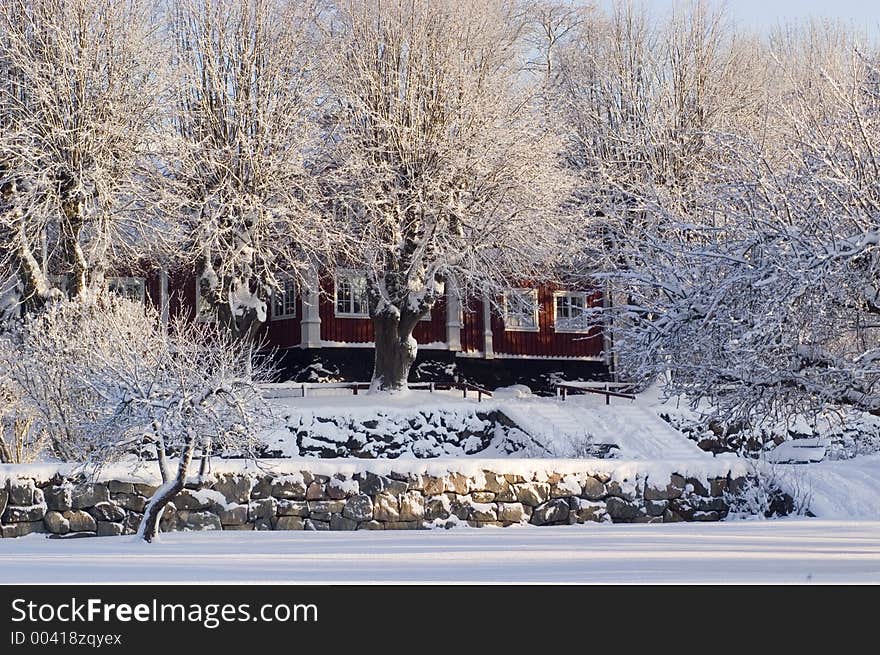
766,494
68,366
844,433
105,380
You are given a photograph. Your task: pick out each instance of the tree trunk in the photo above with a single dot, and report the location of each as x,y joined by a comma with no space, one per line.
395,351
161,455
35,287
5,452
74,260
149,527
243,326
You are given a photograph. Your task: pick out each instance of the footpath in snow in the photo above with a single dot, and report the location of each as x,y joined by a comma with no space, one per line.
636,429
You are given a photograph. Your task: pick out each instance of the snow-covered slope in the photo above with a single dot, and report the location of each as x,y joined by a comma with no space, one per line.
833,489
634,427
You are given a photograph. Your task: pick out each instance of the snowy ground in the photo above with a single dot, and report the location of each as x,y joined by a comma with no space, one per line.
835,489
780,551
841,546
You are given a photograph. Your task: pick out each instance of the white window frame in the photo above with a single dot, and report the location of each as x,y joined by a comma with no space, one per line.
290,292
584,296
521,328
345,273
127,282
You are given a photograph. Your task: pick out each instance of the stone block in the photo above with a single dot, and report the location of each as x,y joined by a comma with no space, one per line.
56,523
320,510
619,509
261,509
358,508
130,502
532,493
89,495
412,506
550,512
340,522
233,515
199,520
21,492
316,491
386,507
290,523
14,514
80,521
290,487
511,512
117,487
235,488
107,511
292,508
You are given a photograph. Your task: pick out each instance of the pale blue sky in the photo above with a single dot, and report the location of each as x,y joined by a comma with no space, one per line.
762,14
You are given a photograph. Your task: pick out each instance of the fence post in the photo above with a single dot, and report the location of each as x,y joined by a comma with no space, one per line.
304,390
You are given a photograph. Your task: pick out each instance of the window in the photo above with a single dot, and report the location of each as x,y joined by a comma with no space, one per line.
570,311
132,288
521,310
284,301
351,294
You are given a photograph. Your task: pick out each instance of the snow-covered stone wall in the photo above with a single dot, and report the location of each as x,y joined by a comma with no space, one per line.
302,500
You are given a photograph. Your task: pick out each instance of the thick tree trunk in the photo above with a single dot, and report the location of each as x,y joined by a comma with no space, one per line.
149,527
5,452
74,260
395,351
241,326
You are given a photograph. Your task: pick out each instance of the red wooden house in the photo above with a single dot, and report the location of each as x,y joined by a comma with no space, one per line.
541,325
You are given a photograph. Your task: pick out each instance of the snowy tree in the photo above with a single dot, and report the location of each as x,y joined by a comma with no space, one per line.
786,290
441,168
105,381
80,82
237,182
551,28
747,275
642,97
20,443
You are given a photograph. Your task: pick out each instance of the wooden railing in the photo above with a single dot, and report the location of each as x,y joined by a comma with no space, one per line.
464,387
603,388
